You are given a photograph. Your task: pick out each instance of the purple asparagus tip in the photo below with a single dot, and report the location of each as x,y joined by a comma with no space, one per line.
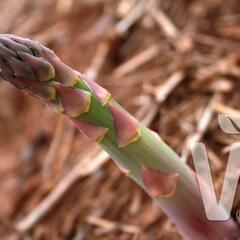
22,63
30,66
23,58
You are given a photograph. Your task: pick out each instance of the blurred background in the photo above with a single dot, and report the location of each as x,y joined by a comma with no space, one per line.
175,65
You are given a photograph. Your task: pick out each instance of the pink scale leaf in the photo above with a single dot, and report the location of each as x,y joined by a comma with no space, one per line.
20,68
42,68
127,127
93,132
102,94
159,184
45,92
74,101
64,73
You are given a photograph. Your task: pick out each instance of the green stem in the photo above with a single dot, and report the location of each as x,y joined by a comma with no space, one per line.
139,152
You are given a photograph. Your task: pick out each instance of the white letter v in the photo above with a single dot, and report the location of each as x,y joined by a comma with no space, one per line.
217,211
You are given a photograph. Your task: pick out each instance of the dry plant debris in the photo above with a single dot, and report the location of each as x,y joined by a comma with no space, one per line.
186,51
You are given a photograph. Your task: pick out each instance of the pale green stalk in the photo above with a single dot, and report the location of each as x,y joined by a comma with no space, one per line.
139,152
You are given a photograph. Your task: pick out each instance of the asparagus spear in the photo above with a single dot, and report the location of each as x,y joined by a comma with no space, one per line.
140,153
